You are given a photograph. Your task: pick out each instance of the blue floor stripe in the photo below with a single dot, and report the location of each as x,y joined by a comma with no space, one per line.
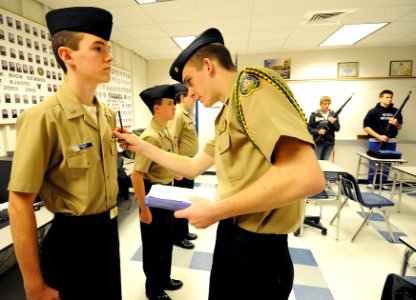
374,221
304,292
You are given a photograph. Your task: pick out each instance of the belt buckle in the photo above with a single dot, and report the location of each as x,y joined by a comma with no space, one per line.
113,212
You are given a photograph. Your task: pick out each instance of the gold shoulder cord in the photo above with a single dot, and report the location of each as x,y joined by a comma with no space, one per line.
273,81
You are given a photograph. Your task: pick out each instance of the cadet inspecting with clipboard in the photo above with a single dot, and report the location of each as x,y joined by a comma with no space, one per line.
265,165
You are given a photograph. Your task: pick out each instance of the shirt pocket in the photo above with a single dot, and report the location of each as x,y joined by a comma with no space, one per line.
81,159
228,156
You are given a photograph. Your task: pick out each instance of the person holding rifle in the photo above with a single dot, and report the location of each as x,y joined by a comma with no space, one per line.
322,125
375,124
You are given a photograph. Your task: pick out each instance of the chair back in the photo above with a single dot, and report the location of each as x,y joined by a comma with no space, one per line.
350,188
398,288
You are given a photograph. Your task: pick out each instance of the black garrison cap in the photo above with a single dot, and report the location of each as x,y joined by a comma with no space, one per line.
180,87
209,36
157,92
91,20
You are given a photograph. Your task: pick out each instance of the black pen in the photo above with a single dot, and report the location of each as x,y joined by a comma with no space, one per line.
121,124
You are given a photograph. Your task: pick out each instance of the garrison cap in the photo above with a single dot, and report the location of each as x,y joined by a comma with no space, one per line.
180,87
209,36
93,20
157,92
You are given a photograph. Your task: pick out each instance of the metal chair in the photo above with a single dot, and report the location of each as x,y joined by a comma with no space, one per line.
398,288
351,190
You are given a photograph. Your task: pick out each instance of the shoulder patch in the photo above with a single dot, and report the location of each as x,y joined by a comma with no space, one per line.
248,84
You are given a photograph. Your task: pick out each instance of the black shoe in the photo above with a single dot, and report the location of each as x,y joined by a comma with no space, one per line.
191,236
164,296
173,285
184,243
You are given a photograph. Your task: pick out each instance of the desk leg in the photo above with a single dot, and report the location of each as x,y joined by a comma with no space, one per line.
338,208
375,172
393,188
400,192
358,167
407,253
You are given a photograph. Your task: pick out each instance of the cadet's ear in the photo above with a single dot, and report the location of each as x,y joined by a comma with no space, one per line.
209,65
65,54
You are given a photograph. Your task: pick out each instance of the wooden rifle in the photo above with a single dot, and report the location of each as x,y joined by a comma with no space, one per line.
335,115
387,131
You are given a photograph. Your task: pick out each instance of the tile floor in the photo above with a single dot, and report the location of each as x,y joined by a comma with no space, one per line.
325,268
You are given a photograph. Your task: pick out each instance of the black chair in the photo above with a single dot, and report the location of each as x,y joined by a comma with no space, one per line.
315,221
398,288
351,190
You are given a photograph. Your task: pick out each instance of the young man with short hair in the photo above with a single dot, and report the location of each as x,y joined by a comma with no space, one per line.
156,224
65,152
265,164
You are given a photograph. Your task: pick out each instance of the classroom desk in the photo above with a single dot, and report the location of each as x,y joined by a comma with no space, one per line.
410,242
331,173
43,218
379,165
399,173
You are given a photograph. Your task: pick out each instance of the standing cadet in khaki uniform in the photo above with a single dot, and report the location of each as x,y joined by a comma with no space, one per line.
65,153
186,140
265,163
156,225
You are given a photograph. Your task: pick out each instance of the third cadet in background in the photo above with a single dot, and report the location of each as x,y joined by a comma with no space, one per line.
322,125
185,137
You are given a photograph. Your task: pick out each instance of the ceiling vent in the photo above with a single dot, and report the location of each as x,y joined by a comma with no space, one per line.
324,17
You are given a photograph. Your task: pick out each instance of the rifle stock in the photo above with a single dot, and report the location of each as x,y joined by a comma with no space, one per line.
335,115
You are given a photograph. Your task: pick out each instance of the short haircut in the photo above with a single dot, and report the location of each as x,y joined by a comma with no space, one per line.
385,92
68,39
214,52
178,96
157,101
325,99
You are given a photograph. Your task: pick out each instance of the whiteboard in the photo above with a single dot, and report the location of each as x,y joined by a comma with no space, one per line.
366,91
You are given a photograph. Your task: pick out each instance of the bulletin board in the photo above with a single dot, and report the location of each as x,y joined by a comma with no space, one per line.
29,72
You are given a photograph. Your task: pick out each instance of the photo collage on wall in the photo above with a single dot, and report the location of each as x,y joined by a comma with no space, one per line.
29,72
117,95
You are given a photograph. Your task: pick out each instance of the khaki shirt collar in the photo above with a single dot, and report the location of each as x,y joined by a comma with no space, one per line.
160,130
231,88
73,108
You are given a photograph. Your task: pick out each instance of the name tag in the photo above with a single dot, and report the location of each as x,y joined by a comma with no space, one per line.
81,147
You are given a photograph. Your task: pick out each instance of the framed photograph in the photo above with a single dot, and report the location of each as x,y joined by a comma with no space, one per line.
348,69
401,68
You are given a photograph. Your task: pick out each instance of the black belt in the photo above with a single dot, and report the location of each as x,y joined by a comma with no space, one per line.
248,236
107,215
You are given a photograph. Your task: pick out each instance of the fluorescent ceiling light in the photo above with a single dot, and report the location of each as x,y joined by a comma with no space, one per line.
351,34
145,1
183,41
150,1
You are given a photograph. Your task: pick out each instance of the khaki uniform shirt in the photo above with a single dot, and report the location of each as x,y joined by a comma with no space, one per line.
238,163
65,156
153,172
184,129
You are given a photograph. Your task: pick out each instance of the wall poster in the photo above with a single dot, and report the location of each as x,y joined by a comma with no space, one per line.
29,72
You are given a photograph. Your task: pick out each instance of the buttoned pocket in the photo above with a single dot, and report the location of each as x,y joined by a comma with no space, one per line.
228,156
81,159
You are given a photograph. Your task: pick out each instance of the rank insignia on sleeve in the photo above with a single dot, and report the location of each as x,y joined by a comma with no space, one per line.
248,84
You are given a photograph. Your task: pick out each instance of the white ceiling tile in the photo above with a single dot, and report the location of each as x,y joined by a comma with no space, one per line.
250,26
